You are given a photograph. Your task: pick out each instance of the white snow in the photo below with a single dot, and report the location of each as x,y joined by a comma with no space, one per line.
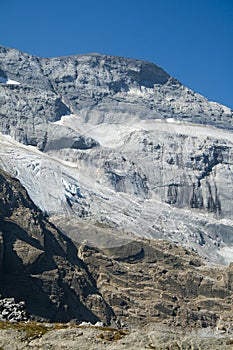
140,91
113,135
172,120
65,119
12,82
4,80
227,254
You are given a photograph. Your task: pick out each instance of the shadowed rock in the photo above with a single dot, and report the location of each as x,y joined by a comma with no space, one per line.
40,265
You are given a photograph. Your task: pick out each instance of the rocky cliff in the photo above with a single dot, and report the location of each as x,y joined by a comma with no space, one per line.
40,266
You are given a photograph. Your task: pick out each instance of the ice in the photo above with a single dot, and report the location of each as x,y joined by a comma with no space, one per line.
113,135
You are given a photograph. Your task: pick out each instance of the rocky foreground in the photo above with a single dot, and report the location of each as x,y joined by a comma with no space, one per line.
37,336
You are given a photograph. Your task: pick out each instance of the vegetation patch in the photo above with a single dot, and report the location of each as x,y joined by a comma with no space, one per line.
112,335
32,330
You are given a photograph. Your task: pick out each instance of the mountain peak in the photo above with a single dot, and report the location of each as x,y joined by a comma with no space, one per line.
98,88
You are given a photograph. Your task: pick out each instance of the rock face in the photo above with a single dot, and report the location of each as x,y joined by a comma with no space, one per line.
119,144
40,266
29,104
147,282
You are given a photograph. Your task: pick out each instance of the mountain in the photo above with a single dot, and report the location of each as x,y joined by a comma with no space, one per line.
116,193
112,148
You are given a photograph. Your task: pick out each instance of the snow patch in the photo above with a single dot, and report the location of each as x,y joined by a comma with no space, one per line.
172,120
140,91
65,119
227,254
12,82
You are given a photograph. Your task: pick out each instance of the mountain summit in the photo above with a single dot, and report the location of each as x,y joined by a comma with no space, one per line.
98,89
113,148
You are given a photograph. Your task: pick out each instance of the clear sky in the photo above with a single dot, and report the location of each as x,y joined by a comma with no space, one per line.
191,39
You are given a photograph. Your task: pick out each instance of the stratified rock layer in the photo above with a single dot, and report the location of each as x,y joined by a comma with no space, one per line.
147,282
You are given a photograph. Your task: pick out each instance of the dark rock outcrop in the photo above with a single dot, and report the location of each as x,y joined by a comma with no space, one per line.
40,266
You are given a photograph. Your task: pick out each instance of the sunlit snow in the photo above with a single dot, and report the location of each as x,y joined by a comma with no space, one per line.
12,82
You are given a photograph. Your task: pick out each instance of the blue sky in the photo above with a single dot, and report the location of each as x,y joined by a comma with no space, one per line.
191,39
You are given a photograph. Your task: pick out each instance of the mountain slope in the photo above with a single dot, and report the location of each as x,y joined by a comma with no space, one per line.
123,150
